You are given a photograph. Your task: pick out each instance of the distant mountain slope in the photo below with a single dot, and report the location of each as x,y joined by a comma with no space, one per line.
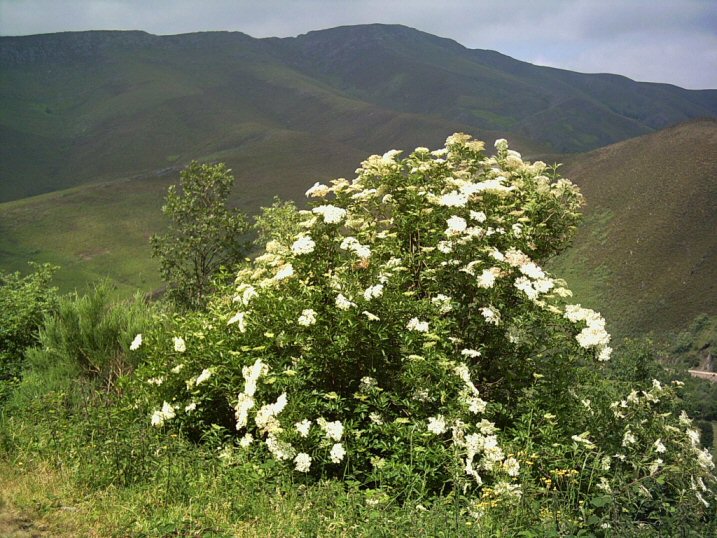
79,107
647,254
405,69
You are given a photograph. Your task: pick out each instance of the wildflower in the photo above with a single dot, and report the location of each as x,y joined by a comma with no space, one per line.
136,343
331,214
376,418
704,458
307,318
318,191
246,440
337,453
370,316
453,199
583,439
437,424
190,407
659,447
179,345
511,466
655,466
342,303
302,462
206,374
487,278
478,216
628,439
604,485
303,245
177,368
604,353
333,430
166,413
694,437
456,225
373,292
265,418
525,285
491,315
303,427
419,326
353,245
443,302
238,318
531,270
367,383
472,353
286,271
486,427
155,381
281,450
501,144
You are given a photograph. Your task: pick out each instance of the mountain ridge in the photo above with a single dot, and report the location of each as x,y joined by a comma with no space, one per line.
77,107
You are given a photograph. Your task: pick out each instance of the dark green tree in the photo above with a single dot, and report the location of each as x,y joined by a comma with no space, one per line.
203,235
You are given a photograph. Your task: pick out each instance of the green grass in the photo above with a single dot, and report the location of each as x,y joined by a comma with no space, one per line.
645,255
90,232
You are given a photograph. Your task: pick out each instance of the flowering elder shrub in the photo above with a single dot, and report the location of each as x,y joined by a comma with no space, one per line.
396,337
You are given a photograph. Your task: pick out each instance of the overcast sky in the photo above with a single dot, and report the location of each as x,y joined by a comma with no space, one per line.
671,41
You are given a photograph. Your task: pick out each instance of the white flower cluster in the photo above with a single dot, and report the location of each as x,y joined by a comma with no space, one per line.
330,213
594,335
203,376
373,292
245,400
166,413
134,346
437,424
179,345
353,245
318,191
307,318
240,319
443,303
266,419
416,325
470,395
342,303
303,245
333,430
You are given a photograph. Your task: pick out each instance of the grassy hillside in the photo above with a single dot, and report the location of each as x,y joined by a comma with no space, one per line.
81,107
647,253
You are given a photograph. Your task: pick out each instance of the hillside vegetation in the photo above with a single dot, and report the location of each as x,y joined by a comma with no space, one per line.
81,107
395,362
647,252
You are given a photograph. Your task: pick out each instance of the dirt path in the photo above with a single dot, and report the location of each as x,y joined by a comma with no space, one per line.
15,525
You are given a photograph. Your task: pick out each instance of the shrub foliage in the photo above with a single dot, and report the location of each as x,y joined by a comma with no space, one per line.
203,234
407,338
24,301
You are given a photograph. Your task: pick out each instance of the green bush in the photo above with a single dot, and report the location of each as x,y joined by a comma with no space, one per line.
93,333
408,340
24,301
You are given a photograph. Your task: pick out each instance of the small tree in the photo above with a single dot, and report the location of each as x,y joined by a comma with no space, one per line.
203,234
